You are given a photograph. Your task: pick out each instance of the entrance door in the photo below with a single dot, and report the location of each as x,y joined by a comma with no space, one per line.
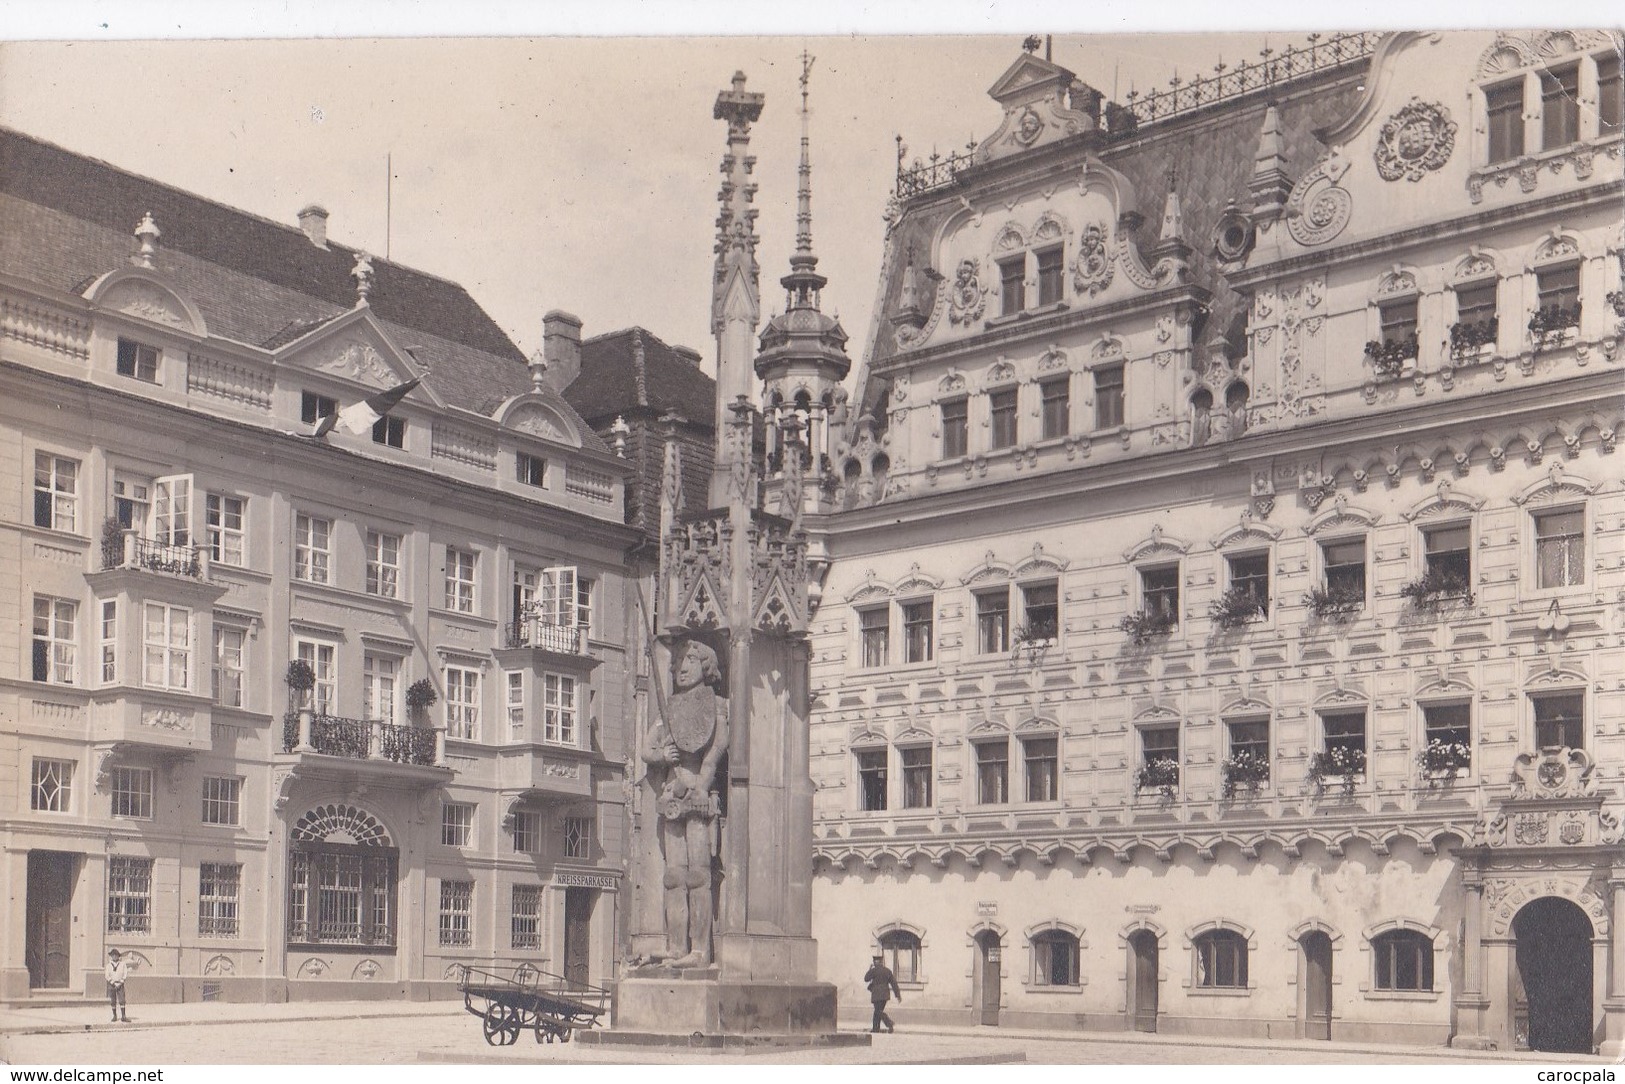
989,960
1142,979
1553,955
1317,985
50,907
578,933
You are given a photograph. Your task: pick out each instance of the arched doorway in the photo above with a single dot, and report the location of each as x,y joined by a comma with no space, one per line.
989,962
1142,980
1317,984
1553,956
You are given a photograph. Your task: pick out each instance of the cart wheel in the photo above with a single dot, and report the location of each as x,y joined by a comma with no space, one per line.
564,1035
501,1028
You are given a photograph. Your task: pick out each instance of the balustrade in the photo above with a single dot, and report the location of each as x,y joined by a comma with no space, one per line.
307,731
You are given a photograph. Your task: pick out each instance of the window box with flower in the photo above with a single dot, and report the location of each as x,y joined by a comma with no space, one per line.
1442,761
1337,602
1472,339
1344,763
1237,608
1243,771
1389,357
1160,774
1032,640
1437,589
1554,325
1144,625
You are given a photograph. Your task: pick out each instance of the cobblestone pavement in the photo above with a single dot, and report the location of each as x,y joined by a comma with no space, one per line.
267,1035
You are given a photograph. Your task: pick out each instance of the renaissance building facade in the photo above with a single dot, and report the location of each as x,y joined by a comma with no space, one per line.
1221,628
290,708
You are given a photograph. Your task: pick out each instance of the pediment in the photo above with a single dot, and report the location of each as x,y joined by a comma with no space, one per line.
355,348
533,414
144,295
1029,72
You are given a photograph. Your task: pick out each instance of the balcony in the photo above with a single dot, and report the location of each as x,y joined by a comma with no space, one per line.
128,550
534,642
367,745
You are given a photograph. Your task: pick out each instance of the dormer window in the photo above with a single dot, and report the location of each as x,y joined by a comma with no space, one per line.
313,408
1560,106
1012,285
389,431
1050,276
532,470
1506,121
138,360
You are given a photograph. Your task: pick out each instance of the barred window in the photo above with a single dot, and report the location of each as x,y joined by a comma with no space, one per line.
131,790
129,894
222,800
578,837
457,824
219,886
527,916
51,786
456,913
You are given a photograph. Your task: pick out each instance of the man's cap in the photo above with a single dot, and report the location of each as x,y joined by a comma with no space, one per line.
878,956
113,952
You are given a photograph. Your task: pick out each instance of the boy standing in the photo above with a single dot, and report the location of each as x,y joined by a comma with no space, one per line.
118,973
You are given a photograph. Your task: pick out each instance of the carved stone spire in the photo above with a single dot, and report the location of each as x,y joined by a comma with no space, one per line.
735,301
147,233
803,282
1270,184
1171,241
363,274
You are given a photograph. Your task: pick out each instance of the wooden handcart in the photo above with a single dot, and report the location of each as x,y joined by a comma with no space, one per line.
550,1005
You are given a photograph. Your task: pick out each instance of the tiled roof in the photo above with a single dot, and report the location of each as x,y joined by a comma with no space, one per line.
66,219
612,381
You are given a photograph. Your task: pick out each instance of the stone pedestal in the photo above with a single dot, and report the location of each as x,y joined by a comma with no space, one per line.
679,1006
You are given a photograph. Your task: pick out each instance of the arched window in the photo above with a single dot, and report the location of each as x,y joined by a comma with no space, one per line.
341,879
1403,960
901,949
1221,960
1235,404
1055,958
1201,417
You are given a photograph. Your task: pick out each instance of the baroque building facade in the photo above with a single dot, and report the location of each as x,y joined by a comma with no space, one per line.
1231,639
292,710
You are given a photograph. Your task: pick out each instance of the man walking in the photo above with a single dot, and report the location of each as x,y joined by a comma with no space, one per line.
118,973
882,986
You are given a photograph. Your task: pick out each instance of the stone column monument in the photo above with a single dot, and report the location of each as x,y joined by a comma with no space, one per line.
728,759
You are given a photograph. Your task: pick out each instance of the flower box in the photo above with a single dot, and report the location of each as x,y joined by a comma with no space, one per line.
1388,356
1145,624
1342,763
1161,774
1336,603
1443,760
1237,607
1468,340
1436,589
1244,771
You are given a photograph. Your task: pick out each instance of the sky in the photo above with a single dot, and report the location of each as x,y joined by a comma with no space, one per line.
551,172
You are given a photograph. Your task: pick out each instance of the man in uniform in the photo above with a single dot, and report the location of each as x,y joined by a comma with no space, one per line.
882,985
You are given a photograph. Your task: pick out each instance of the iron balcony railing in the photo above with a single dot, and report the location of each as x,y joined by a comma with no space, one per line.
308,731
127,549
534,632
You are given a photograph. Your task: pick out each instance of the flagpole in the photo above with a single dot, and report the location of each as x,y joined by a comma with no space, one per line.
389,192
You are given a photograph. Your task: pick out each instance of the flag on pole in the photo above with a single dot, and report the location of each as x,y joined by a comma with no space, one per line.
358,418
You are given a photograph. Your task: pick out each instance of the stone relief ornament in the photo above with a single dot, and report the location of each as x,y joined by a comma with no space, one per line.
359,361
1092,269
967,299
1324,208
1415,141
1029,127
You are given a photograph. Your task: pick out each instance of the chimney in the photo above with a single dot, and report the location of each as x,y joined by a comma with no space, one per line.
561,347
688,354
313,220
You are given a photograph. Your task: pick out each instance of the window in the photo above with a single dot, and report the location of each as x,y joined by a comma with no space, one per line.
561,598
172,511
1159,751
1475,305
312,541
219,885
456,913
1002,404
323,698
457,824
313,408
1345,571
1050,267
900,950
55,641
462,703
916,777
138,360
532,469
1403,959
919,622
1559,289
459,580
1559,721
516,705
1055,959
1397,321
1447,724
1109,397
225,521
584,589
1041,758
1013,296
129,894
1250,579
51,787
1560,549
992,772
222,800
1160,589
1056,395
955,415
109,642
873,631
341,894
383,564
558,709
380,676
131,790
229,673
1505,104
56,492
871,779
167,647
993,621
132,501
527,831
527,916
1041,607
389,430
1610,94
1559,106
1345,731
1221,960
578,837
1250,740
1448,559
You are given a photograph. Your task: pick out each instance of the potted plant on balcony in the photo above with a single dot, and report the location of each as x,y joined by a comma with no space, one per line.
1467,339
1031,641
1436,588
1336,602
1244,770
1550,323
421,695
1340,762
301,679
1442,760
1236,607
1388,356
112,543
1160,774
1145,624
